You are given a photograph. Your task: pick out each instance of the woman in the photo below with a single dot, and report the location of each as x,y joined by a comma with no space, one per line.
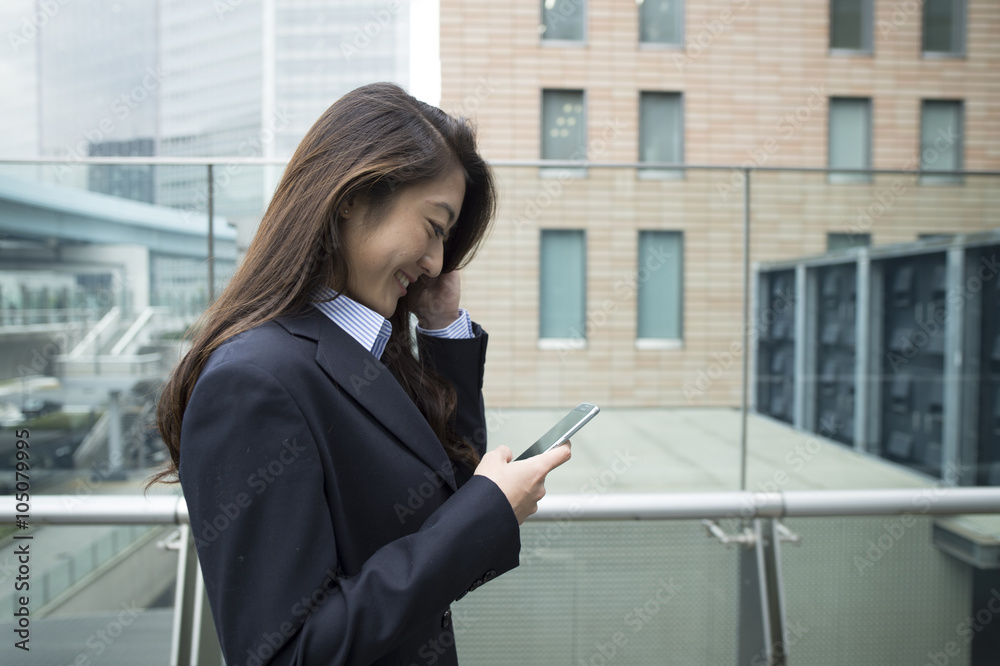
336,480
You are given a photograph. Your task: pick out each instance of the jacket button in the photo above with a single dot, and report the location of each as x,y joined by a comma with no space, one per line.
446,619
489,575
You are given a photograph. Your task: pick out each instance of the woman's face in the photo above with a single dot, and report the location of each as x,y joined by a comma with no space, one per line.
389,255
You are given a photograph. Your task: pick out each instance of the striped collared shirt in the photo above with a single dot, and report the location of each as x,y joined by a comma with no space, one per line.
372,330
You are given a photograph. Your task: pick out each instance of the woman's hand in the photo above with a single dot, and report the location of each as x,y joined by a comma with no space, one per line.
436,302
522,481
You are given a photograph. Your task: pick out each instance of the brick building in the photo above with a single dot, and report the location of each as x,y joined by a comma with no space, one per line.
623,286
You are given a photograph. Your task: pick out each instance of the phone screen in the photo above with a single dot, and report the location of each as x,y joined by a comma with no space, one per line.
563,430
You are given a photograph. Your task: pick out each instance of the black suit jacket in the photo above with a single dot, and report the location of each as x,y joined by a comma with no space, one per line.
328,520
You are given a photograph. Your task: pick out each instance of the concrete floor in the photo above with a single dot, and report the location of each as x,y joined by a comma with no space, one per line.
697,450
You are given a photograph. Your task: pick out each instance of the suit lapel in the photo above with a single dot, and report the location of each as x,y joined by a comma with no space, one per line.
373,386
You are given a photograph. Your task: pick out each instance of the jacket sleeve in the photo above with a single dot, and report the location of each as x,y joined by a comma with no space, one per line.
254,481
462,362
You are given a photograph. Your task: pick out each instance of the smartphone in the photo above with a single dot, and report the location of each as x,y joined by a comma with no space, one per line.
563,430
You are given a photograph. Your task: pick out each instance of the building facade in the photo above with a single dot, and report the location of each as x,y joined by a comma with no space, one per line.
623,286
248,79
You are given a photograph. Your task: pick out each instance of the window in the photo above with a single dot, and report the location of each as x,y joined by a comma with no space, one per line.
564,134
850,144
941,140
944,27
661,132
563,20
563,287
661,22
845,241
661,289
851,25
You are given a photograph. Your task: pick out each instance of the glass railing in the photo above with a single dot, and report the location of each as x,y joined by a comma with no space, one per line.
75,554
818,303
773,330
843,576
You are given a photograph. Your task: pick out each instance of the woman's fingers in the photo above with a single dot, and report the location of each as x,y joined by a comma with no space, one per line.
522,481
556,456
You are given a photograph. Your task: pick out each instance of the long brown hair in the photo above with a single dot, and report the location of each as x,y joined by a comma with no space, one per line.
371,143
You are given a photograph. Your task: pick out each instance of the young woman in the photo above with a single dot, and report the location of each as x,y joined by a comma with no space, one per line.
334,467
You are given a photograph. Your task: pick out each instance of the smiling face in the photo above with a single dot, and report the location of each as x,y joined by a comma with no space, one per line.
388,255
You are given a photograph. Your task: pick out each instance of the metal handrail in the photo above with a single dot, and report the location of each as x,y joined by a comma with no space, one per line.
542,164
172,509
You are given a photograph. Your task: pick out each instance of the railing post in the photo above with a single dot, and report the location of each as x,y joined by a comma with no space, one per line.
211,239
762,599
193,641
744,391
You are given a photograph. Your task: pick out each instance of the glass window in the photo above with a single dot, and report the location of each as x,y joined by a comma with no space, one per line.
851,25
661,21
563,20
850,138
842,241
661,131
661,285
563,284
941,140
564,133
944,26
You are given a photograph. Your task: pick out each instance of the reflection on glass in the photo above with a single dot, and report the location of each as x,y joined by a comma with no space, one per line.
944,27
563,284
563,20
851,25
661,21
850,138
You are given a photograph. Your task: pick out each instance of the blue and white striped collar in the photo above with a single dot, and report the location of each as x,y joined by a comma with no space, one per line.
369,328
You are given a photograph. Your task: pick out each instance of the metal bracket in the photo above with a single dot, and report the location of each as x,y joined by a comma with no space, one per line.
761,593
172,541
786,535
746,538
